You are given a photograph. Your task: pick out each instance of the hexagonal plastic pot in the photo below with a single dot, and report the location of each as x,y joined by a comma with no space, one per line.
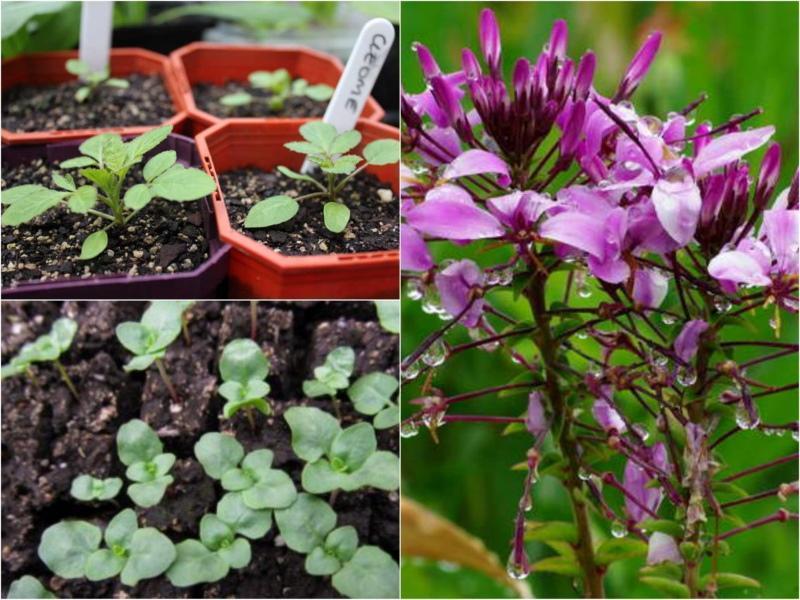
200,283
203,62
47,68
255,270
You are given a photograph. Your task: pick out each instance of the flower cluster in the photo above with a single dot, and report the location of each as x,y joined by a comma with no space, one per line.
661,216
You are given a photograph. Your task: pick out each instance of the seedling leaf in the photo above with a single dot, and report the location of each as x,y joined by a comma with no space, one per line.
371,573
271,211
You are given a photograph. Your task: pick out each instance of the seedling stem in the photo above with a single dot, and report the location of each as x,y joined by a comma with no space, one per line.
66,378
167,380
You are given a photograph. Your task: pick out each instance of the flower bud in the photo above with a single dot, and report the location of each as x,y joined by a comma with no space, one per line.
585,75
768,176
430,68
489,34
557,46
638,67
470,64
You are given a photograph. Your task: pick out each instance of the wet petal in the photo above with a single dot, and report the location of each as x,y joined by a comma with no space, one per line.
662,548
577,230
454,220
455,285
737,267
677,205
475,162
687,341
650,287
781,228
730,147
607,416
414,254
535,420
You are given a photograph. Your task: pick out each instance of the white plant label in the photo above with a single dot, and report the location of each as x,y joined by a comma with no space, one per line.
360,74
97,17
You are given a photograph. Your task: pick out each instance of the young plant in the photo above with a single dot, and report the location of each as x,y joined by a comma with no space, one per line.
326,148
46,348
370,573
337,458
71,549
281,86
261,486
105,162
389,314
244,367
331,376
148,339
210,558
92,79
28,587
88,488
148,465
371,394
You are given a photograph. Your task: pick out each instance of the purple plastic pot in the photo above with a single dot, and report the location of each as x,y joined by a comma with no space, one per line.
200,283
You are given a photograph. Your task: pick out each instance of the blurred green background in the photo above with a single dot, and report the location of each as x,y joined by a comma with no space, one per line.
743,55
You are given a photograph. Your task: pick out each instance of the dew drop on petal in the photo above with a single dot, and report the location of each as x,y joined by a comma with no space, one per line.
744,420
415,289
516,569
409,429
618,529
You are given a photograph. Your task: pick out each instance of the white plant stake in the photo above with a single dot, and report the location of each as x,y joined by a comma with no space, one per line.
362,69
95,44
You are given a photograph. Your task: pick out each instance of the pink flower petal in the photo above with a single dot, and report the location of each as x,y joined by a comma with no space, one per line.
730,147
454,220
737,267
476,162
577,230
688,339
455,285
414,254
677,205
649,287
662,548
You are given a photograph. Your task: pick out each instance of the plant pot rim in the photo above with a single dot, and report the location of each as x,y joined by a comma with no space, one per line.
265,254
372,109
48,136
122,285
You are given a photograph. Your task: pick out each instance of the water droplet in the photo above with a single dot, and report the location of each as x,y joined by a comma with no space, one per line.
796,435
445,316
411,371
779,432
722,304
661,360
492,277
767,431
505,276
408,429
744,420
415,289
668,319
528,505
517,569
433,420
431,302
618,529
583,474
582,335
686,376
435,354
477,334
631,165
584,291
641,430
603,183
773,324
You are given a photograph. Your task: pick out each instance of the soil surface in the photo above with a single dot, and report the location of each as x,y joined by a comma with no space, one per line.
374,221
49,438
207,97
165,237
42,108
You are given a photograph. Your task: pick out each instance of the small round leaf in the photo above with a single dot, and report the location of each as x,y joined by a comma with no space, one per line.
243,360
194,563
336,216
371,573
305,523
244,520
382,152
218,453
65,546
136,442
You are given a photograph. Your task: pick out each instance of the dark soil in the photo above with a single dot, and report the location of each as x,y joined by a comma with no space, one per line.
207,97
42,108
373,208
48,437
165,237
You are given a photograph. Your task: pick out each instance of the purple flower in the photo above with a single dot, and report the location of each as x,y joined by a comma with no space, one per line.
729,148
455,284
676,199
476,162
606,415
584,75
649,287
535,420
519,210
768,175
636,482
489,33
662,548
414,254
557,46
449,212
638,67
688,339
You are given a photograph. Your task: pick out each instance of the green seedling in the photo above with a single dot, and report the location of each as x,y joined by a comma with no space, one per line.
337,458
28,587
132,553
389,314
327,149
92,79
371,573
244,368
142,452
184,306
371,394
333,375
148,339
210,558
337,548
305,524
105,163
88,488
46,348
281,87
261,486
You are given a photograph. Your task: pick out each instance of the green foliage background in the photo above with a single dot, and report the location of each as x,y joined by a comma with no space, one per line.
743,54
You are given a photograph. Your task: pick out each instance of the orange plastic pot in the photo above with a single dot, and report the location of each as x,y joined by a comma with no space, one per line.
256,271
203,62
47,68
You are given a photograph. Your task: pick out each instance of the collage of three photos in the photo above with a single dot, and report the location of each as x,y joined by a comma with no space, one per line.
405,299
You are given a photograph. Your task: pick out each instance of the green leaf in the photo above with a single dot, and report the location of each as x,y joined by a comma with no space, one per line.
102,179
139,146
93,245
730,489
150,493
619,549
318,562
313,388
250,523
163,463
243,360
28,587
77,162
229,409
136,442
313,431
103,564
354,445
218,453
150,554
345,141
274,490
76,67
271,211
28,202
319,92
319,133
137,197
342,542
62,332
82,93
389,314
371,573
163,319
371,392
84,198
269,80
140,363
320,478
236,480
117,82
237,555
663,525
561,565
382,152
64,182
344,165
134,336
381,470
551,531
120,529
194,563
388,417
303,147
65,546
182,184
299,176
86,488
237,99
214,532
159,164
304,524
666,569
729,580
669,587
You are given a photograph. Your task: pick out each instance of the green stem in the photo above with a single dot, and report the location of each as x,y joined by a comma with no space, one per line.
311,195
344,181
66,378
91,211
167,381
